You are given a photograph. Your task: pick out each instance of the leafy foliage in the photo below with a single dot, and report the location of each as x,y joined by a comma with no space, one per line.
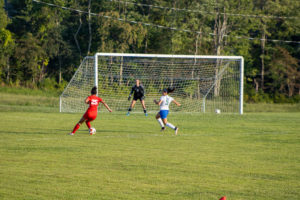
39,41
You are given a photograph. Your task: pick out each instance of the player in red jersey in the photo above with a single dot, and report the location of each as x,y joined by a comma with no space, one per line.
91,112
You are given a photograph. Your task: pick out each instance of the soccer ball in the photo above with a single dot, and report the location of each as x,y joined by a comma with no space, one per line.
92,131
217,111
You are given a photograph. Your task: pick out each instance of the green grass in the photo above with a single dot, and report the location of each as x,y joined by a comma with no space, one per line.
28,100
254,156
29,91
269,107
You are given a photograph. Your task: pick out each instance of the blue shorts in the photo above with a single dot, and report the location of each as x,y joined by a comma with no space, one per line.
163,114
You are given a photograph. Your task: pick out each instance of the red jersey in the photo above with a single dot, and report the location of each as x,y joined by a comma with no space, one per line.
93,102
92,111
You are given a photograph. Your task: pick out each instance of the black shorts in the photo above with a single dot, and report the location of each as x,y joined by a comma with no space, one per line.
135,98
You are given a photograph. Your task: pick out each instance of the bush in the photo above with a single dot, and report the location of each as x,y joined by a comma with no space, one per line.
50,84
257,97
251,96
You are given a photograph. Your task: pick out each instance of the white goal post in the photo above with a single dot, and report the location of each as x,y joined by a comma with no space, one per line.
202,83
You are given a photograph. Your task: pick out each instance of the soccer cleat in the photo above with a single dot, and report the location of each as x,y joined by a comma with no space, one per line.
162,129
176,130
146,114
71,134
128,114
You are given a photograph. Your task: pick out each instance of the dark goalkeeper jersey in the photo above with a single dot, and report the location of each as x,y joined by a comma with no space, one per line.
138,91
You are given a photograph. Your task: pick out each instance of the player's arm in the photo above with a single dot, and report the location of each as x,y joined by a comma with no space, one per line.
132,90
143,91
106,106
87,100
158,102
178,104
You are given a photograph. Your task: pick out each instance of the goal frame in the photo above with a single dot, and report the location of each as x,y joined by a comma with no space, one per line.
241,100
239,58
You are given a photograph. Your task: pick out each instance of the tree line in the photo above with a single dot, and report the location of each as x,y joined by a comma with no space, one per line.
41,45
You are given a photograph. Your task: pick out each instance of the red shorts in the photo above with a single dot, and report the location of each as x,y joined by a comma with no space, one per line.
90,116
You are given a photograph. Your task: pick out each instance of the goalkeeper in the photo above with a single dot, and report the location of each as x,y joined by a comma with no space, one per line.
138,93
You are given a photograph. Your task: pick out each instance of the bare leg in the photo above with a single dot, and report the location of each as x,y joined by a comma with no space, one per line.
81,120
158,118
165,121
143,104
77,125
131,106
144,107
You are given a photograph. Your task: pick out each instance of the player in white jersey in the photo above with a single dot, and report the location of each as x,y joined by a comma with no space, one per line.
164,103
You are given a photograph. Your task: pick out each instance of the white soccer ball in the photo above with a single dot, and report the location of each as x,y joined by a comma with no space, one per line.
92,131
218,111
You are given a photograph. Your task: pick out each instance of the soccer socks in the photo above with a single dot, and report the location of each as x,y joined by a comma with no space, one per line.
88,124
145,112
76,128
171,126
128,113
160,122
78,125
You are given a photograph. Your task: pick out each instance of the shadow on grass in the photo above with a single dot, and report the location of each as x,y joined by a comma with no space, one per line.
66,131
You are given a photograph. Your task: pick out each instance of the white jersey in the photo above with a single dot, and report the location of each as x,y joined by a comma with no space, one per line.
166,101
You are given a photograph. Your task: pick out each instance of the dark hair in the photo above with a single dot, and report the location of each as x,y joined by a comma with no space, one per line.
94,90
169,90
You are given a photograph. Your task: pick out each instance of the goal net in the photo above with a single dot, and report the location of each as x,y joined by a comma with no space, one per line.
202,83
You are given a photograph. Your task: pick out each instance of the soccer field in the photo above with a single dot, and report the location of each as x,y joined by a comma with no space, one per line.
254,156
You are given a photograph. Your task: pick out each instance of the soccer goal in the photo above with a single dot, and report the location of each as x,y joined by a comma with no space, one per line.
202,83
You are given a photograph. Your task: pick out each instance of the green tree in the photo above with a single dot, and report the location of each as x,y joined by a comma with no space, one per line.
6,45
285,72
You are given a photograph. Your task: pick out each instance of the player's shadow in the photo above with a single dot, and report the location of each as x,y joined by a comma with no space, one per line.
50,131
120,131
98,131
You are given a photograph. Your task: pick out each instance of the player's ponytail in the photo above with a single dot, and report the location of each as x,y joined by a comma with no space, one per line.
170,89
94,90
